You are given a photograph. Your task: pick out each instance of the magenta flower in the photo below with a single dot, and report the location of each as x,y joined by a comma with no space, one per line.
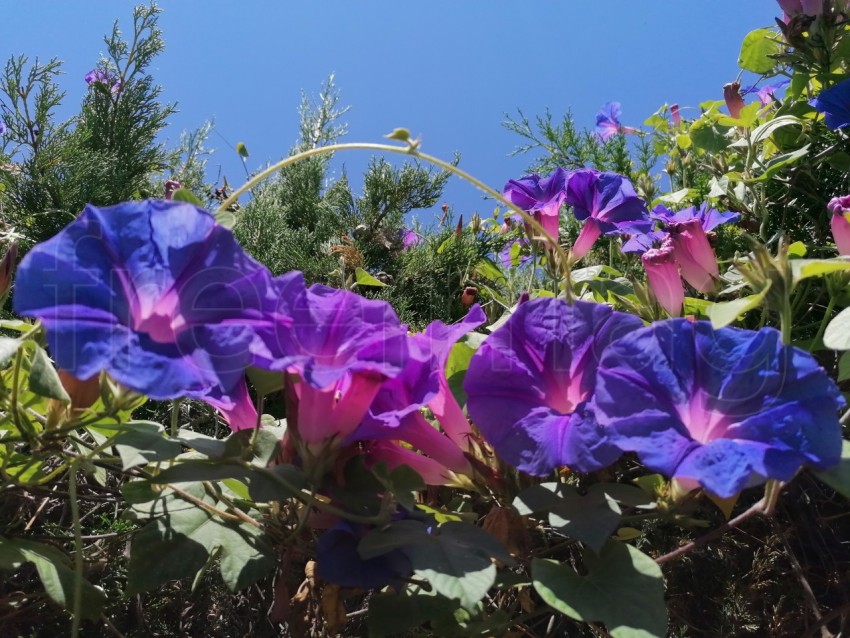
674,113
541,196
662,273
529,384
840,223
608,122
607,203
801,7
694,255
395,416
721,409
155,293
339,351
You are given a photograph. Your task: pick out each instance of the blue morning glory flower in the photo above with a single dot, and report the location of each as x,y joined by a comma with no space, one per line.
834,103
722,409
155,293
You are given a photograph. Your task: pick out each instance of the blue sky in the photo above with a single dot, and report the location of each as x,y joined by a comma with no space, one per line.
448,70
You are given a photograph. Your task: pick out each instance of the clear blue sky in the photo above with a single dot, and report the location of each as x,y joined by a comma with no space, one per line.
446,69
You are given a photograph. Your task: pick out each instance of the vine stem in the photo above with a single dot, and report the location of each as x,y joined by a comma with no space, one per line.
77,604
764,507
411,150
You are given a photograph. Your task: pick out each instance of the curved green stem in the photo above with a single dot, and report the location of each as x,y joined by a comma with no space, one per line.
411,150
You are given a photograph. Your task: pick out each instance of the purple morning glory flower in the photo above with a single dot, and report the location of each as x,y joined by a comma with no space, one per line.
340,349
722,409
155,293
506,257
608,122
409,238
766,93
104,77
834,103
708,217
801,7
395,415
529,384
339,561
541,196
607,203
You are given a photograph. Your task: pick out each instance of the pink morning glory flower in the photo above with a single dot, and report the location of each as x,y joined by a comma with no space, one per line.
840,222
608,122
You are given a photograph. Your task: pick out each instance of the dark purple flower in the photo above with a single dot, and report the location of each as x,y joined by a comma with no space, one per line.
339,561
662,274
708,217
834,103
541,196
104,77
608,122
155,293
171,185
734,101
766,93
839,222
722,409
607,203
529,383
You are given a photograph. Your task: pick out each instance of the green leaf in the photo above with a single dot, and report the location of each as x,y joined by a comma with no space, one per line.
589,518
797,250
185,195
144,442
225,219
456,367
44,380
55,574
265,381
757,50
391,614
400,134
707,135
844,367
179,544
805,268
363,278
780,162
264,484
623,589
838,477
677,197
727,312
767,129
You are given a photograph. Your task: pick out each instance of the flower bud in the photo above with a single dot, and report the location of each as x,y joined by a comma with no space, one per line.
662,273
